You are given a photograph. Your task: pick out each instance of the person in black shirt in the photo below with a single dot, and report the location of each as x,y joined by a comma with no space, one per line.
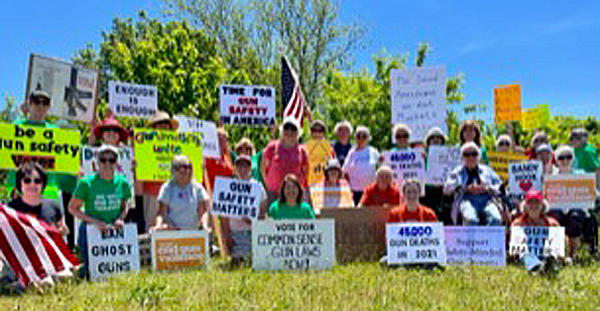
342,145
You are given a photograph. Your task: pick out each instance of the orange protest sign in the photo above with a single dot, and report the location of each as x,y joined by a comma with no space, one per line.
507,103
570,191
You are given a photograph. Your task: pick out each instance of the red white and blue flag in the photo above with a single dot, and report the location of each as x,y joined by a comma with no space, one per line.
295,105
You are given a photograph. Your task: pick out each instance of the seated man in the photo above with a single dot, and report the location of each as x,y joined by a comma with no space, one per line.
383,192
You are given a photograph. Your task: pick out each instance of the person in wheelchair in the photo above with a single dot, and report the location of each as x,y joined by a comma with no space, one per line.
476,188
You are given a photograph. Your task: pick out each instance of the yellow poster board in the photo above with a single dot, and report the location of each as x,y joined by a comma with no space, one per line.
173,250
507,103
154,149
57,150
319,152
499,161
535,117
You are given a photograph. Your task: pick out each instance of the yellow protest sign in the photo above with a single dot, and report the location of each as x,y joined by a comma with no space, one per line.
319,152
535,117
507,103
499,161
57,150
154,149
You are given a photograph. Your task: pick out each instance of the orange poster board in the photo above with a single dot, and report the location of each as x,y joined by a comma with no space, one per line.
570,191
507,103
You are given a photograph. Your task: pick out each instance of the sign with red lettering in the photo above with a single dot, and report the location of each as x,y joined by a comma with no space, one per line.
247,104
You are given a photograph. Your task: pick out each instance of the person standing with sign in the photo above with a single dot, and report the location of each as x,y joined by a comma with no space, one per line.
478,186
245,147
290,205
469,131
37,108
412,210
383,192
342,145
104,196
360,164
544,154
586,155
401,137
434,194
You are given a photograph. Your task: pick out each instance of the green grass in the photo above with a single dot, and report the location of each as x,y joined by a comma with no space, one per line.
350,287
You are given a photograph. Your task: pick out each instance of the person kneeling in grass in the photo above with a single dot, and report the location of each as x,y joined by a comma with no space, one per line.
290,205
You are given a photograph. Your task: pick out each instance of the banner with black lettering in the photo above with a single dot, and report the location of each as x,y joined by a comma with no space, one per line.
132,100
113,251
409,243
247,104
538,241
236,198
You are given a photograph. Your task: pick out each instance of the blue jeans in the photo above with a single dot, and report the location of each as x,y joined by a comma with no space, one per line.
473,208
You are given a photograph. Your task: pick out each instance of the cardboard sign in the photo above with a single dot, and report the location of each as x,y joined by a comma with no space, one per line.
475,246
132,100
419,99
124,165
207,131
415,243
319,152
330,197
499,161
525,176
154,150
441,160
507,103
293,244
570,191
538,241
247,104
112,252
181,249
57,150
236,198
405,164
73,90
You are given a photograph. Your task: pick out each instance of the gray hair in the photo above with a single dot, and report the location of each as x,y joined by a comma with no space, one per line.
562,150
468,146
342,124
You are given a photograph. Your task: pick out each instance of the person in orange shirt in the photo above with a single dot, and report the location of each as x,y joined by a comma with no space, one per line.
412,210
383,192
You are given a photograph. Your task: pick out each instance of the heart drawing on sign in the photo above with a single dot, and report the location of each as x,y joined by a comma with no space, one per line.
525,185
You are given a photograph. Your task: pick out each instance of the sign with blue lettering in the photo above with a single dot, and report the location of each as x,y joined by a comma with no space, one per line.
407,164
409,243
538,241
236,198
113,251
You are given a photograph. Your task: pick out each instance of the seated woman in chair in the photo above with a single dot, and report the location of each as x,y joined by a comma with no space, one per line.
475,186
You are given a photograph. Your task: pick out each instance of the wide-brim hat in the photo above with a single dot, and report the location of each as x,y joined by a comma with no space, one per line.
110,123
162,116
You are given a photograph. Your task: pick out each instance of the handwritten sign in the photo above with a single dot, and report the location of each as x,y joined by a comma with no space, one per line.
499,161
247,104
330,197
441,160
475,246
132,100
293,244
538,241
114,251
154,150
57,150
123,167
319,152
507,103
181,249
207,131
415,243
405,164
419,99
570,191
73,90
236,198
525,176
535,117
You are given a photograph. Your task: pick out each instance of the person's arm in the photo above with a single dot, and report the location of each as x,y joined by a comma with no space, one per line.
159,220
265,162
75,209
202,209
226,231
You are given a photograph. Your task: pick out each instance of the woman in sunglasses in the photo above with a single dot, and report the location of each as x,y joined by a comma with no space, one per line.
181,201
469,131
360,164
476,185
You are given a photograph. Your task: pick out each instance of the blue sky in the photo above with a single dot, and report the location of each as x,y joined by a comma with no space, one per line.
552,48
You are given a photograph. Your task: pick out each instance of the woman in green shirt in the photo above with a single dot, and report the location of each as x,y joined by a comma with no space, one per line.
290,205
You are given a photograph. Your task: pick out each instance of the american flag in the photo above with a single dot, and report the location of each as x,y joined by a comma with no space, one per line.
32,249
295,105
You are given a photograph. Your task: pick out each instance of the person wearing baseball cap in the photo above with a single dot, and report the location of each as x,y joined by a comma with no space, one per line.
534,211
37,107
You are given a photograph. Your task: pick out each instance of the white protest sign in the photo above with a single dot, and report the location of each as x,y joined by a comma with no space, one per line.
247,104
570,191
415,243
73,90
180,249
114,251
538,241
236,198
419,99
207,131
293,244
525,176
124,165
132,100
405,164
441,160
476,246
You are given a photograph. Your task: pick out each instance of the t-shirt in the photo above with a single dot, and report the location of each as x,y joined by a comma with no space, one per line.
256,167
25,121
279,210
47,210
182,203
102,198
240,224
360,166
421,214
218,167
282,161
586,158
525,221
341,151
373,196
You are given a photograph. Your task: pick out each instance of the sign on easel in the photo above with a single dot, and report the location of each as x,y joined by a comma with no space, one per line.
180,249
113,251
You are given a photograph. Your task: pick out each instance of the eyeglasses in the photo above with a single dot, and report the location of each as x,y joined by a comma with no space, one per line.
110,129
109,160
565,157
402,136
43,102
362,136
317,130
504,144
289,127
28,180
182,167
470,154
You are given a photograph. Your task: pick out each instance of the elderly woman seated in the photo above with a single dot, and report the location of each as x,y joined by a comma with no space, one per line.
476,185
383,192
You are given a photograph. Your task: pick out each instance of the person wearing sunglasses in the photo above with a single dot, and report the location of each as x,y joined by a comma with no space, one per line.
504,143
469,131
245,147
342,145
586,156
37,108
361,162
539,138
475,187
182,201
104,195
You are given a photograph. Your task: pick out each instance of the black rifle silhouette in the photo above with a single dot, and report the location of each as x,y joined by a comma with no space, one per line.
73,96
